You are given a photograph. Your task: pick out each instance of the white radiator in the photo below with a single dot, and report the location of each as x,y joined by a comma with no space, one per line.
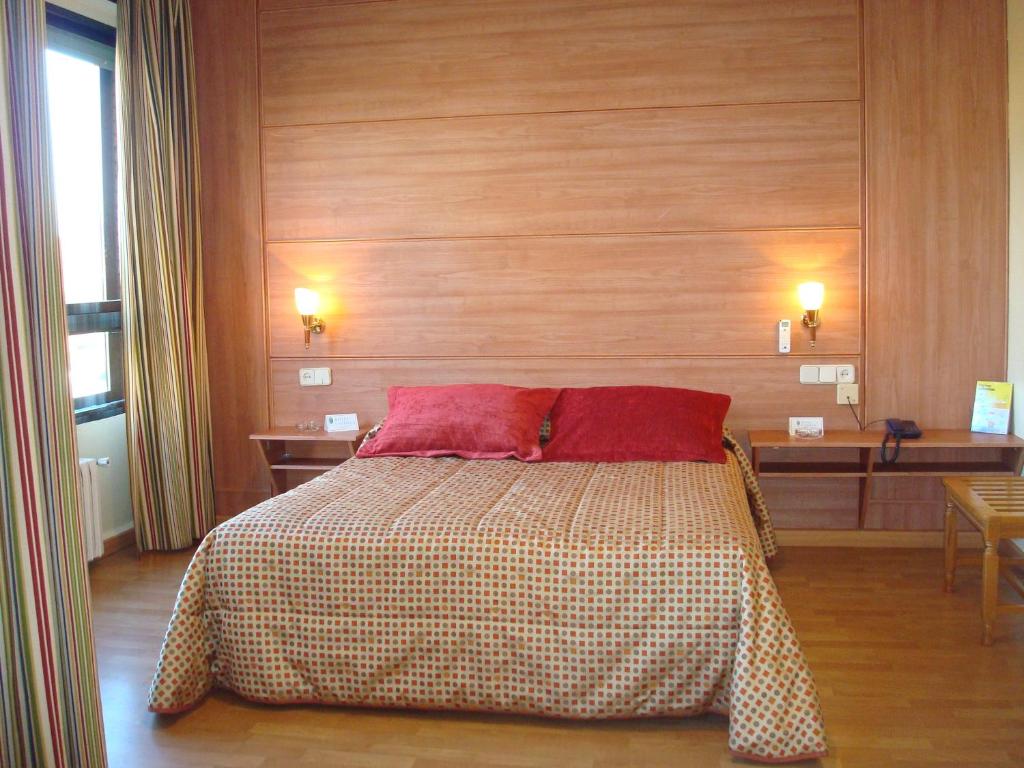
89,493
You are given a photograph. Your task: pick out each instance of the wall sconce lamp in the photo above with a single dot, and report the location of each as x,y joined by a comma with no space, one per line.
308,304
811,297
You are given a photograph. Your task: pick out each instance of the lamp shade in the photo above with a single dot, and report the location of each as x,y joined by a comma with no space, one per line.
307,301
812,295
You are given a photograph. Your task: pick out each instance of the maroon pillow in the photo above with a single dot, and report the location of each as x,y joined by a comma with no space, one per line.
474,421
637,424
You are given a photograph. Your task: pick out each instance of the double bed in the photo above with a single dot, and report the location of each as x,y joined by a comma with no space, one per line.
563,589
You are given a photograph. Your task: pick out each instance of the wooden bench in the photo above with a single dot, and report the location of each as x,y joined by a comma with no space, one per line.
995,506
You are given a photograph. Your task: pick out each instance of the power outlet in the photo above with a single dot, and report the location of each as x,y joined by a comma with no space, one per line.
314,377
847,393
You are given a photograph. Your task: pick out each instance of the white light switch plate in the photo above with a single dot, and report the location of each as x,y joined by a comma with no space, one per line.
808,374
846,374
314,377
844,391
827,374
807,426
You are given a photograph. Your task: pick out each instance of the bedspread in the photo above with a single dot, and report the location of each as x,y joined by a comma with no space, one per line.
566,590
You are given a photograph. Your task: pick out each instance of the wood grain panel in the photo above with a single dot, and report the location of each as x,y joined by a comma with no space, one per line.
225,57
826,503
698,294
486,57
936,153
764,390
656,170
286,5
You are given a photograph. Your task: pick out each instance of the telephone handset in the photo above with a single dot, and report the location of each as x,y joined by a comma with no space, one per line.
899,430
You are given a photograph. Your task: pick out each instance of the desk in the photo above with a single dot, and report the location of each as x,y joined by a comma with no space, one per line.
996,455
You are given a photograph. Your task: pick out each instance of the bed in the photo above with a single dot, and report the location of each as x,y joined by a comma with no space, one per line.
575,590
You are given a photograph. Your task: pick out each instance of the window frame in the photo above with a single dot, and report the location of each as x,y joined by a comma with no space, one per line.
105,316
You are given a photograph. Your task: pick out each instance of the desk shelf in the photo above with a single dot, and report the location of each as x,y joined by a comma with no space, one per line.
996,455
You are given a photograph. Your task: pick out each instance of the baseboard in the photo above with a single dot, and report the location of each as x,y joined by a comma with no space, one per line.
791,537
118,541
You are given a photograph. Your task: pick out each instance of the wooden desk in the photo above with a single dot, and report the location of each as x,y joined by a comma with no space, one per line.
995,506
291,450
997,455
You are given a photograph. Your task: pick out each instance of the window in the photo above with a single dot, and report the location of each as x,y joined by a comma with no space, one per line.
80,93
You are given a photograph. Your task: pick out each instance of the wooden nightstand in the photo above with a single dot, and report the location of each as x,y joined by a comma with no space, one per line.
833,456
291,450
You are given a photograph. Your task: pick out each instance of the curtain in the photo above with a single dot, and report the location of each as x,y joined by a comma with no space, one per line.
166,399
49,694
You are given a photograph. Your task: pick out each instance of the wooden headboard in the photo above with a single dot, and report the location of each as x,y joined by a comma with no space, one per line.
585,192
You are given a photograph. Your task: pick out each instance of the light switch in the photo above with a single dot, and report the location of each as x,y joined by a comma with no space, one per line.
808,374
827,374
314,377
846,374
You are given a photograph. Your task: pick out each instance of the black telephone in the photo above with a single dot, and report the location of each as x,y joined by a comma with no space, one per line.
900,430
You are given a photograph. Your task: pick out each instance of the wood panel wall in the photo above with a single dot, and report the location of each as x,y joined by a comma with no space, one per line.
229,145
937,231
578,192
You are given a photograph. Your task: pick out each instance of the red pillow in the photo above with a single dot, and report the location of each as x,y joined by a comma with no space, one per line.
474,421
637,424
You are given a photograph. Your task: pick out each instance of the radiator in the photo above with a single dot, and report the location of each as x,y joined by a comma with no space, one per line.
89,493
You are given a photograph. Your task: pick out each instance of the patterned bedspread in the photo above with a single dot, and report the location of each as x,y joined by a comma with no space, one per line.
567,590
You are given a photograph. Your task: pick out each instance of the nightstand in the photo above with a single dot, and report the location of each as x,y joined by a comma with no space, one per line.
292,450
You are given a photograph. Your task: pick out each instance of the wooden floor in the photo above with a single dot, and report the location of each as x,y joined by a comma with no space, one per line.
903,678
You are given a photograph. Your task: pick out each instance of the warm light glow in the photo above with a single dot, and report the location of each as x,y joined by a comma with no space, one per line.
812,295
307,301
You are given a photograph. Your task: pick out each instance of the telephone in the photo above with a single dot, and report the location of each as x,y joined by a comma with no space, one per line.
900,430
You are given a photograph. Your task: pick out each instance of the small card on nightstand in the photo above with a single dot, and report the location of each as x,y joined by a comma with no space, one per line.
341,422
810,427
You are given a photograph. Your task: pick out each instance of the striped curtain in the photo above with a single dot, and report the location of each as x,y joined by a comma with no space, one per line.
166,398
49,694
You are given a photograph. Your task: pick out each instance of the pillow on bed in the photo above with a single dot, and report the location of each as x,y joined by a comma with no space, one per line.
637,424
474,421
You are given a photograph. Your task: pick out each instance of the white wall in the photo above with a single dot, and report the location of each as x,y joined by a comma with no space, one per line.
1016,131
101,439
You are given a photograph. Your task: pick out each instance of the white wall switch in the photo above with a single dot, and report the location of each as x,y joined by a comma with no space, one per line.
846,374
827,374
807,426
785,329
314,377
847,393
808,374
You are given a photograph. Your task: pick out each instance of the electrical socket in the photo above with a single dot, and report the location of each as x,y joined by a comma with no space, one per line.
314,377
847,393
